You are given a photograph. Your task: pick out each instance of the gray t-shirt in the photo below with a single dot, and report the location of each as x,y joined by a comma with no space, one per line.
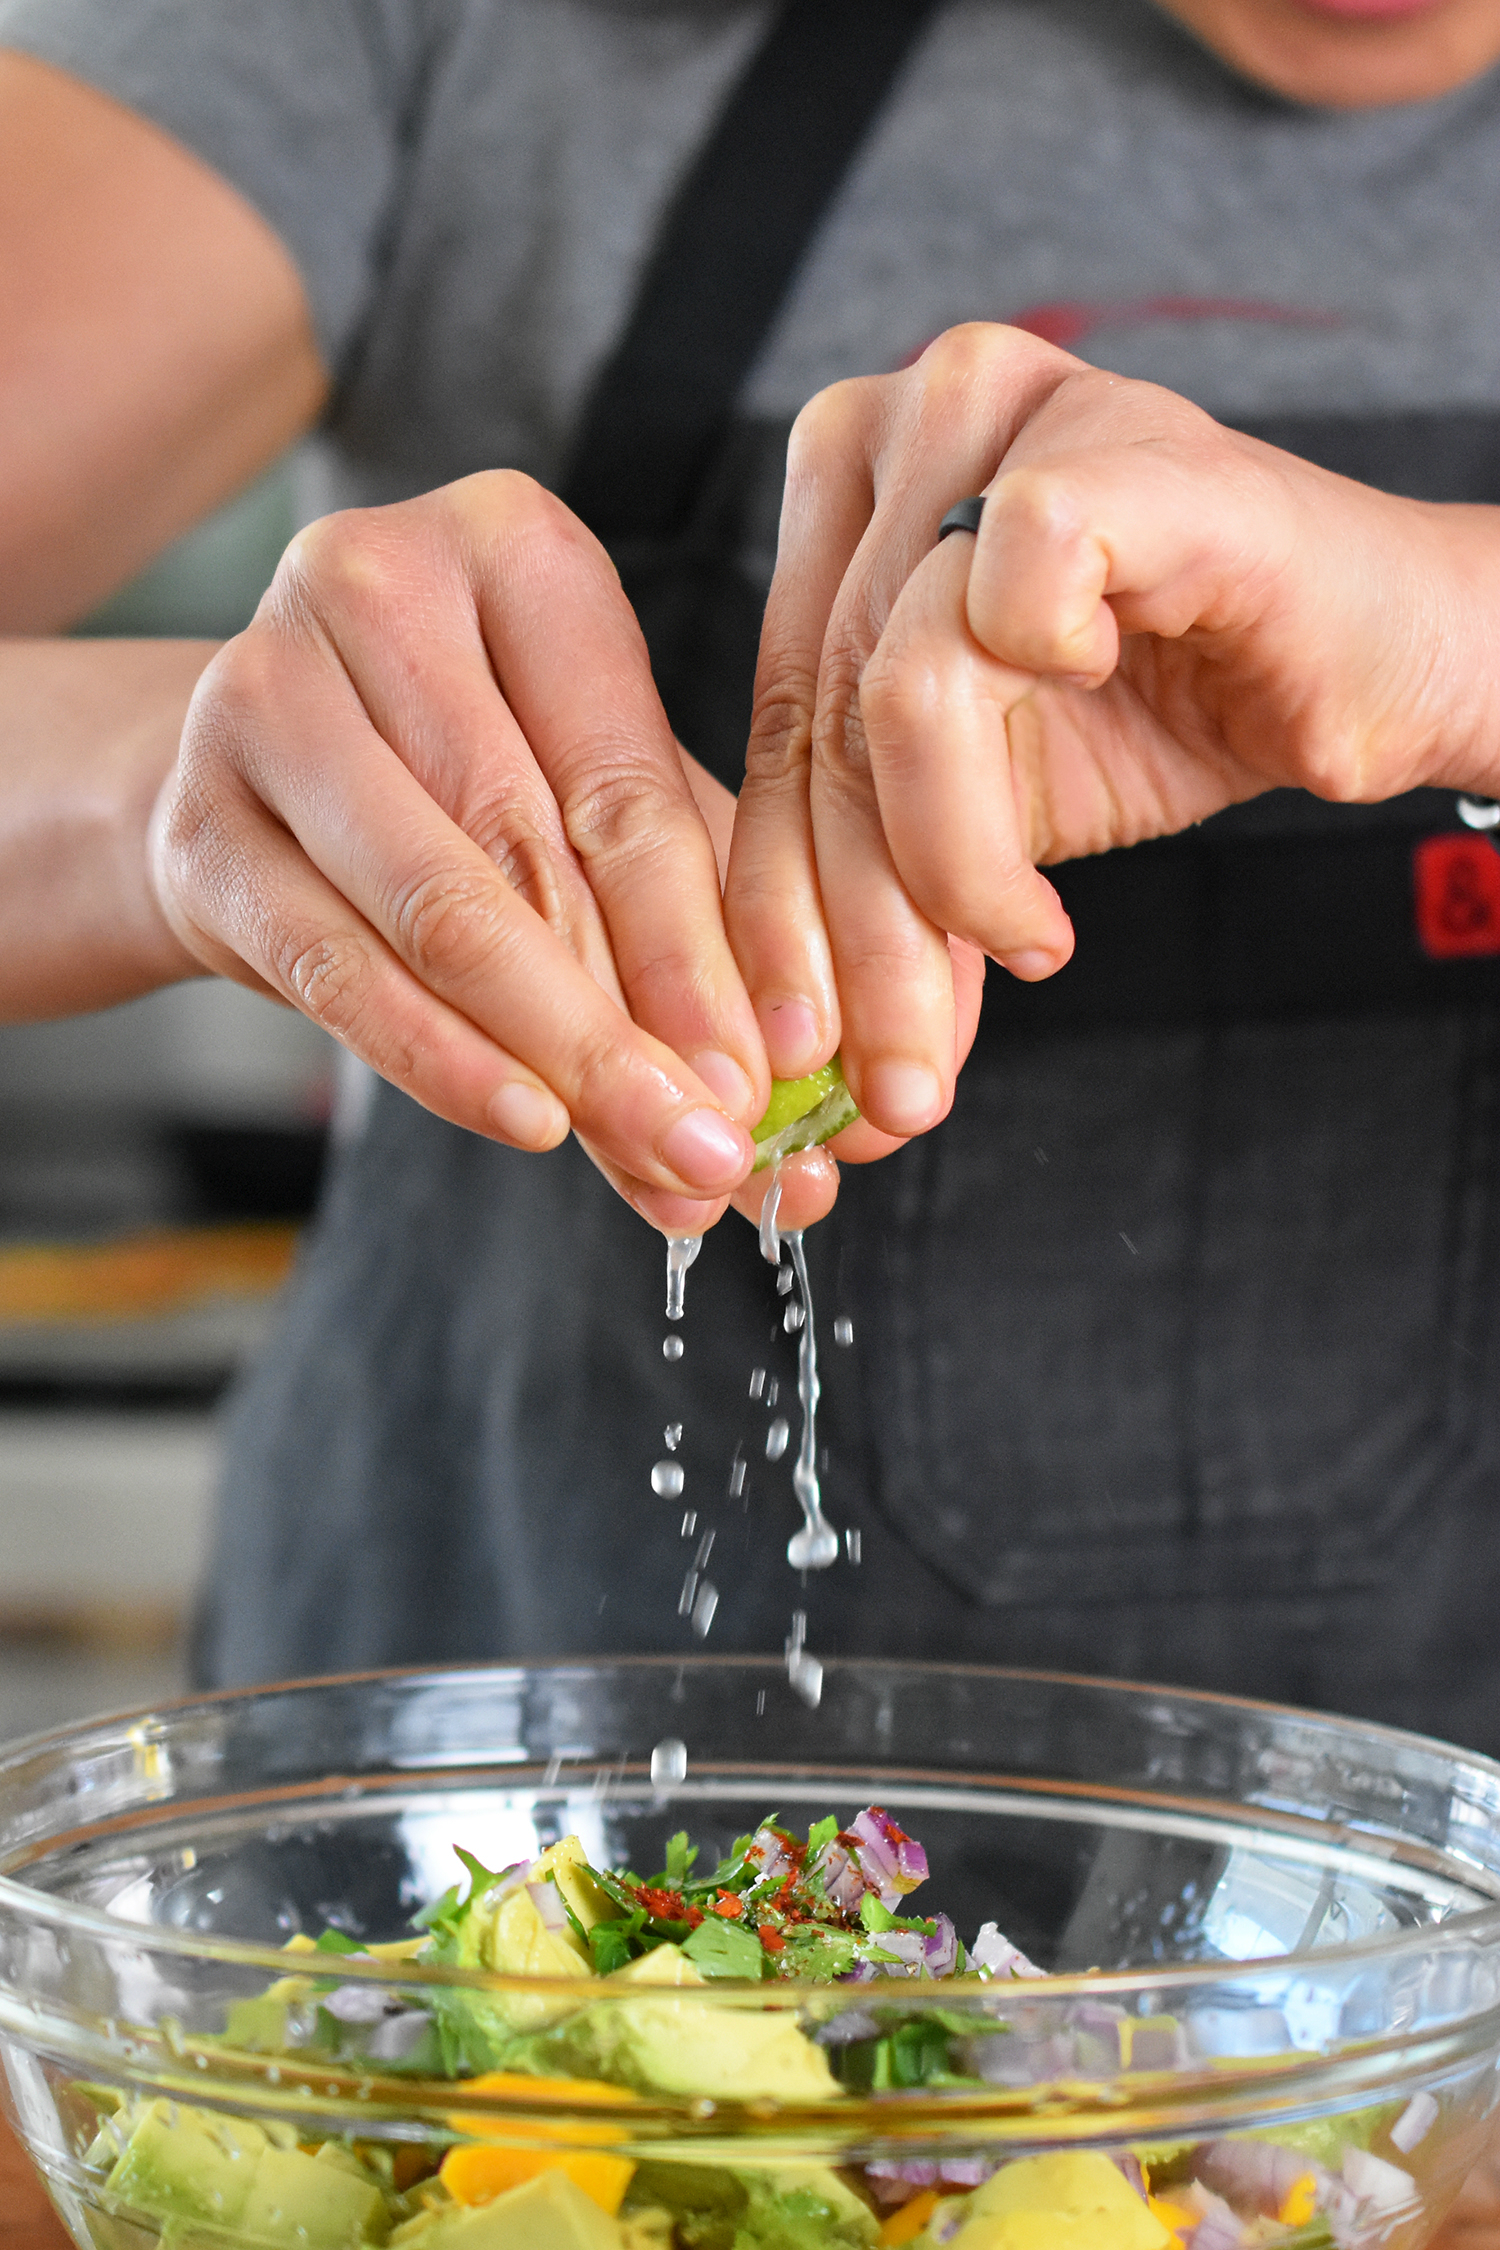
469,187
1178,1346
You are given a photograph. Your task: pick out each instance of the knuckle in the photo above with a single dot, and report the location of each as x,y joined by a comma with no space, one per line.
831,416
446,925
619,813
328,976
781,728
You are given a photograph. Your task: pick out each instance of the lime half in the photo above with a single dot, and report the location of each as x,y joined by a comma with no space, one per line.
803,1113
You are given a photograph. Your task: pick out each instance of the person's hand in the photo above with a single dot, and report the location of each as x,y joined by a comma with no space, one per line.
430,797
1158,618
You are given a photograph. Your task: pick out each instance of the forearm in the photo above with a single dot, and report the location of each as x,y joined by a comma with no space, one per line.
88,730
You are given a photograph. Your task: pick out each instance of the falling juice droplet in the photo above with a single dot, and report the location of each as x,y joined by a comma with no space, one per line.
689,1594
770,1240
853,1543
776,1439
760,1703
843,1331
772,1389
672,1436
704,1605
737,1473
667,1480
689,1523
786,1281
792,1319
668,1763
682,1249
816,1545
705,1549
804,1672
757,1381
671,1347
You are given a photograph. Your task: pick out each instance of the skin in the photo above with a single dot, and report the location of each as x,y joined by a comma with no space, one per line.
491,873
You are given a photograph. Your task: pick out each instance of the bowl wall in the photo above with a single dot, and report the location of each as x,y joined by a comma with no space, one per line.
1295,1918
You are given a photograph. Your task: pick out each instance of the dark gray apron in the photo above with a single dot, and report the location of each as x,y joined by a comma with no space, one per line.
1175,1347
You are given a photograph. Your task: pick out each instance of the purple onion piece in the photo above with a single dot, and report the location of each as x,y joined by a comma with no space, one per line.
546,1899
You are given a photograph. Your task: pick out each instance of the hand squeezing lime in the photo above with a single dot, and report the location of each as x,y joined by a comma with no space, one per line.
803,1113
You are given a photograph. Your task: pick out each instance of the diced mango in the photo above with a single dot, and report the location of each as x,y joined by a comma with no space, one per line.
907,2223
477,2173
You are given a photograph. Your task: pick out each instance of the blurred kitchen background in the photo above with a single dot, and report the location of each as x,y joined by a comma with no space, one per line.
156,1162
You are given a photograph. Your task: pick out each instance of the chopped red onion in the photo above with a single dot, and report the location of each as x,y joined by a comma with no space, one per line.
893,1863
1218,2226
1415,2123
1256,2176
997,1957
545,1898
770,1855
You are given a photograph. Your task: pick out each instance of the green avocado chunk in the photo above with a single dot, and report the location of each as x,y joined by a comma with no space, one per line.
803,1113
312,2204
183,2163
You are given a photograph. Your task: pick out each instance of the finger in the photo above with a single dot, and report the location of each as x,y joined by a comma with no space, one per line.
292,935
601,738
668,1213
443,909
935,707
773,902
809,1189
346,596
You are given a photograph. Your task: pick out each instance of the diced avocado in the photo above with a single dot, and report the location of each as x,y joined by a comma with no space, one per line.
664,1964
567,1864
719,2053
548,2213
1075,2200
313,2202
518,1943
802,1113
183,2163
681,2188
804,2207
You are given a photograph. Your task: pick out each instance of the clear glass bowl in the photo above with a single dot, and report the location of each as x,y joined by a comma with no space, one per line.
1275,1941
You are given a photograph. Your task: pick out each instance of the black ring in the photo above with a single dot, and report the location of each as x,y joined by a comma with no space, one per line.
964,515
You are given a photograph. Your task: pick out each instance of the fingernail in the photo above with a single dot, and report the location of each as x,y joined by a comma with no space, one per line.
1030,965
729,1085
528,1115
704,1149
793,1036
902,1097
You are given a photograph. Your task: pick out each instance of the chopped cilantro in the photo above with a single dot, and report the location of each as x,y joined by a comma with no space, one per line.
725,1949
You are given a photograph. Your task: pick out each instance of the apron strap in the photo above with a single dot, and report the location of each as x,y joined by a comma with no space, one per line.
732,241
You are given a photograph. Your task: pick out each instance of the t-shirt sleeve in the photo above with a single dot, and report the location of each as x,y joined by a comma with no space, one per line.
297,103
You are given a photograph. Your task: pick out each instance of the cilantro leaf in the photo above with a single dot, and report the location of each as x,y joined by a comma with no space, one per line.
820,1835
334,1941
614,1945
680,1857
725,1949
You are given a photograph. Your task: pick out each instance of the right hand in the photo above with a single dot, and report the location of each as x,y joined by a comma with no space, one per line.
430,797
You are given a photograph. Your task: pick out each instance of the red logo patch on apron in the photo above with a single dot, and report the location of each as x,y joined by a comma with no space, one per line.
1457,897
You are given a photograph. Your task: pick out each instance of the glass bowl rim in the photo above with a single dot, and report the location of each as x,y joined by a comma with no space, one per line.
1472,1926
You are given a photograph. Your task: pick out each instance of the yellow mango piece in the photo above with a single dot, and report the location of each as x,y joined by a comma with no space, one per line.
664,1964
1300,2201
477,2173
907,2223
518,1943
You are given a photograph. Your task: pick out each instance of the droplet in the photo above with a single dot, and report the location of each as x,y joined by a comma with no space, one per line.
737,1477
689,1523
760,1703
668,1763
682,1249
776,1439
843,1331
784,1280
703,1608
853,1543
757,1381
667,1480
792,1319
705,1549
772,1388
770,1239
672,1436
688,1595
671,1347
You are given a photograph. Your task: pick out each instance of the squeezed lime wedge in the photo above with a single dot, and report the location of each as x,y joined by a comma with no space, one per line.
803,1113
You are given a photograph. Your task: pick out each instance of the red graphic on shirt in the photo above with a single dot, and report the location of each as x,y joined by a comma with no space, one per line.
1070,324
1457,882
